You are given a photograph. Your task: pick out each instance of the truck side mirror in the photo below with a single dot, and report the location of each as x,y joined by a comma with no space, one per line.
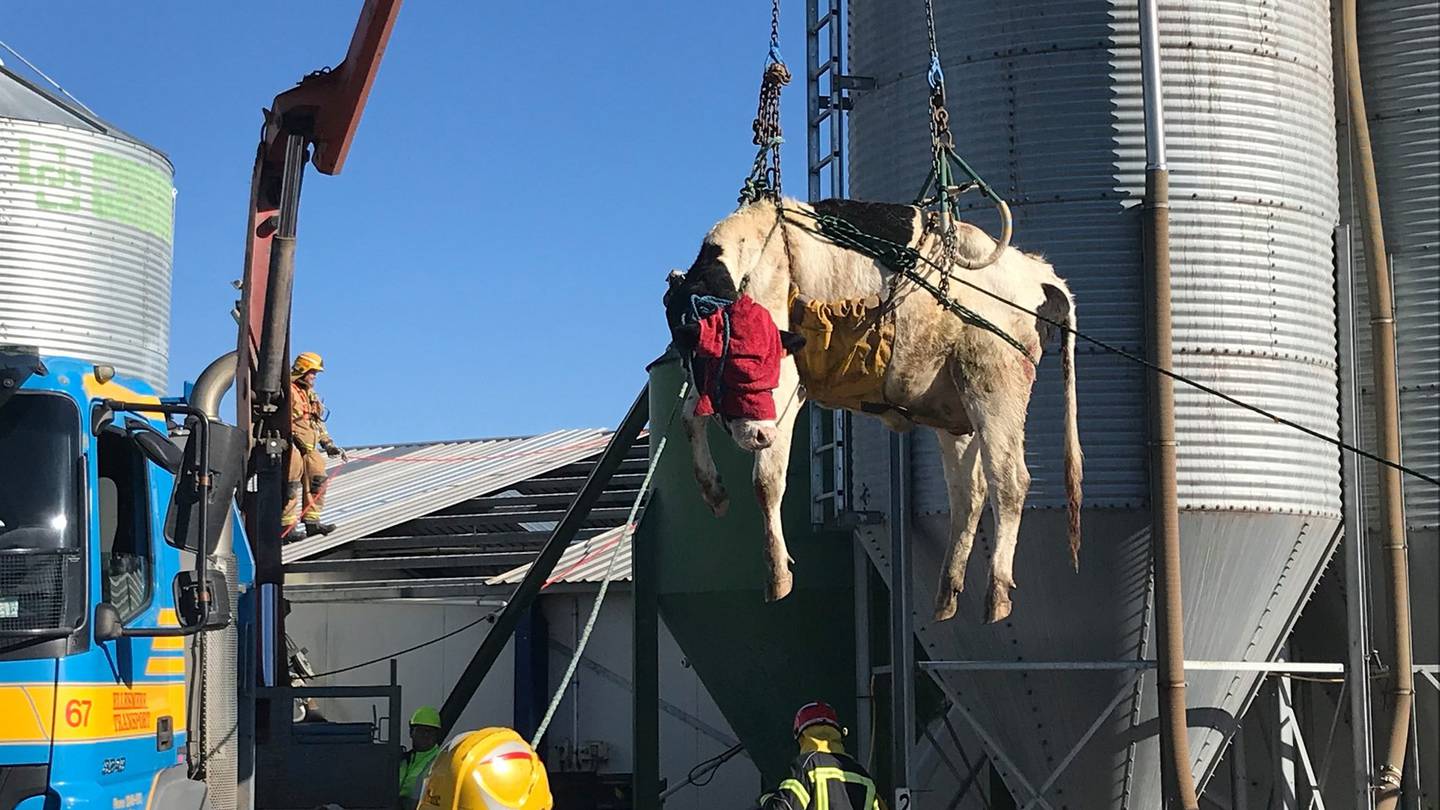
156,446
191,595
107,624
226,467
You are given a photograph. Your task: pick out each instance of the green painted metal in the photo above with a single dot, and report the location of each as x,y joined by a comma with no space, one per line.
759,661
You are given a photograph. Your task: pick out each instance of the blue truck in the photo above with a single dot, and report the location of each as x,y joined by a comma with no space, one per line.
101,615
143,657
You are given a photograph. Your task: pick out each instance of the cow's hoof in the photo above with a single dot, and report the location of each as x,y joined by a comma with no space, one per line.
999,603
781,582
945,605
718,500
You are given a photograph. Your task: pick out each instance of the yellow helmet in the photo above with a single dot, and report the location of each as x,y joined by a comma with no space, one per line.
489,769
305,363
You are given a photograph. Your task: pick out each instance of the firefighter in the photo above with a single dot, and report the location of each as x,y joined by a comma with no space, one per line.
489,769
425,746
306,479
822,775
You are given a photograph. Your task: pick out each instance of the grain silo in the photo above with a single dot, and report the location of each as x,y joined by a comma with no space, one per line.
86,225
1045,100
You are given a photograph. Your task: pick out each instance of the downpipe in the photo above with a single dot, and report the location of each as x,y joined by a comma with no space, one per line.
1177,778
1387,419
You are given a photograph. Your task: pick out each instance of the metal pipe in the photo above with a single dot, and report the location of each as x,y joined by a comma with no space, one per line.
1387,418
540,570
1153,90
1198,665
864,679
213,382
1357,556
812,97
1177,777
902,628
221,716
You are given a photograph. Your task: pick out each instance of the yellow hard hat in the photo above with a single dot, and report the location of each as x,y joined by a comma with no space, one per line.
305,363
425,716
489,769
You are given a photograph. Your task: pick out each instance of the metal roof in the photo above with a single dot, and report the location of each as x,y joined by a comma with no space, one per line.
453,520
382,487
584,561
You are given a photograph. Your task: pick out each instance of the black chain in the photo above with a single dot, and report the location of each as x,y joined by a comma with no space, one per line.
942,143
764,179
775,29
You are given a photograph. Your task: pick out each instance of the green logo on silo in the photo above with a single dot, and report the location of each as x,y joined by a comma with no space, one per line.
108,186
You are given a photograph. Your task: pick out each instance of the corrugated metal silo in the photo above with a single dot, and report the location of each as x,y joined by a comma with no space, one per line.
1045,98
85,235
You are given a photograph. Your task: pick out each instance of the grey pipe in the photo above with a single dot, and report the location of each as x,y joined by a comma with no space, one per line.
1152,89
213,382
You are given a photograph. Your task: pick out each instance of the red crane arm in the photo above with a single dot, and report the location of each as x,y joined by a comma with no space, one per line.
325,110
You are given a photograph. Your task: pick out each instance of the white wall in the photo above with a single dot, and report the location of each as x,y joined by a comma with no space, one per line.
340,634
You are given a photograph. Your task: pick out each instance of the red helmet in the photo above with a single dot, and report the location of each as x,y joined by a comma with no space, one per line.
812,713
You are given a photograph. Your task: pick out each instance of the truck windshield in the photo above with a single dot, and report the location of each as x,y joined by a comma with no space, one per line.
39,457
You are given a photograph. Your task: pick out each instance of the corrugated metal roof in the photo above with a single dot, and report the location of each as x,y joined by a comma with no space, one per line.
385,486
585,561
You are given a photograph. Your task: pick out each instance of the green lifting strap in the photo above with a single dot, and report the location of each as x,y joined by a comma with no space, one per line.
904,260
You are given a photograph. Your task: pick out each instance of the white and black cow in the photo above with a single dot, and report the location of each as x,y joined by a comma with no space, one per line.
969,384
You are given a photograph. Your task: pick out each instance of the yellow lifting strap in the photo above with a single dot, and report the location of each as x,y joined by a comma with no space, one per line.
847,349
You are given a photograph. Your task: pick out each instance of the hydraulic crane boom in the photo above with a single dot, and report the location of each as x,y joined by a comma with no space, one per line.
314,121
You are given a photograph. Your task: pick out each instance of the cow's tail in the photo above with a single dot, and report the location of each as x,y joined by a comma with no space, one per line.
1073,456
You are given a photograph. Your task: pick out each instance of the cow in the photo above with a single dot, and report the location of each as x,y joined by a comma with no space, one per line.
952,374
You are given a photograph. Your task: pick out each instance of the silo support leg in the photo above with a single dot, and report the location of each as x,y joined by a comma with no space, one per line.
1292,746
1080,744
1014,777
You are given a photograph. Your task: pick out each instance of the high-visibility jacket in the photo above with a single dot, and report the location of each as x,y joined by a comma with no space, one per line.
826,779
412,766
307,422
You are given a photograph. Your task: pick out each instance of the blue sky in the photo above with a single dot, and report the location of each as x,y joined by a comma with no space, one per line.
491,260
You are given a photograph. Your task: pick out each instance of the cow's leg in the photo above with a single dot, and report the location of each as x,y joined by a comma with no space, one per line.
960,456
1000,429
771,466
712,490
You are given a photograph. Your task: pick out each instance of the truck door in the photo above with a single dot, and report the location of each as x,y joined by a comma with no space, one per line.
122,711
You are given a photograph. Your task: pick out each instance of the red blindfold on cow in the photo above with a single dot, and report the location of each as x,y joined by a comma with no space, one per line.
735,351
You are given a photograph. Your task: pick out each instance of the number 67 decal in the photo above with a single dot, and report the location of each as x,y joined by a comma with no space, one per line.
77,713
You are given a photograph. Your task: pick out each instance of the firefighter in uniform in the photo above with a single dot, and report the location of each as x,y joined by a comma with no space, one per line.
306,479
489,769
822,774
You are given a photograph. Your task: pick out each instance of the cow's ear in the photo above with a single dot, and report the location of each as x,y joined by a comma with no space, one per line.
791,341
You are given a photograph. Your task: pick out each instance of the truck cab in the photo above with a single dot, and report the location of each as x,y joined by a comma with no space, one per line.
98,644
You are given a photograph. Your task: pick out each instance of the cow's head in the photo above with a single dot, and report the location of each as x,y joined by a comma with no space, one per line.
709,276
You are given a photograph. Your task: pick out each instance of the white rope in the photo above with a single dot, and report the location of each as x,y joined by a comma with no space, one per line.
609,573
